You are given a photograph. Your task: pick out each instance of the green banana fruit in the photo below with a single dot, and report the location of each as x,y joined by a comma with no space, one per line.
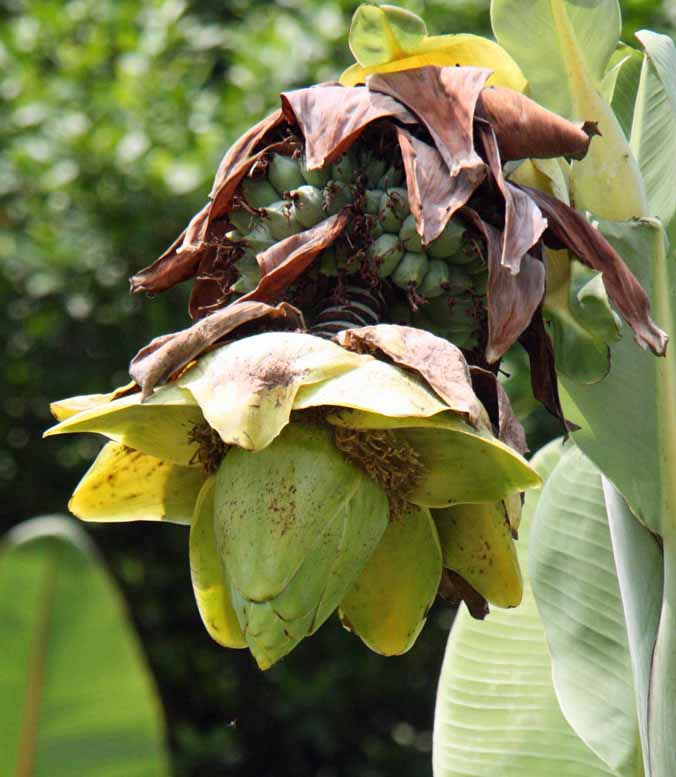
308,201
284,173
394,208
318,178
386,253
258,192
436,279
408,234
411,270
448,242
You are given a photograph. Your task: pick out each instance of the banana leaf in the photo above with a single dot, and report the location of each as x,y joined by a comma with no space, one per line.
628,428
575,583
76,697
653,140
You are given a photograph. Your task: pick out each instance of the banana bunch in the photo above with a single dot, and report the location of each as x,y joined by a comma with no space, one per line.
314,479
282,197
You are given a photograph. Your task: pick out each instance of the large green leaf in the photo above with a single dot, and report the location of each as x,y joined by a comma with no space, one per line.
653,132
76,697
628,429
576,41
638,560
572,572
579,38
497,714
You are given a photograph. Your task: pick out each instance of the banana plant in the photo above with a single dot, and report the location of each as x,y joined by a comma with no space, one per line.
383,425
76,696
624,405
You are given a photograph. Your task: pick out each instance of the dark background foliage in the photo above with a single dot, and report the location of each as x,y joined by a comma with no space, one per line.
113,117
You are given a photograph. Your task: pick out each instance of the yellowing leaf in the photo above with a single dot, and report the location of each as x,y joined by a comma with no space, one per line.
126,485
65,408
212,590
385,39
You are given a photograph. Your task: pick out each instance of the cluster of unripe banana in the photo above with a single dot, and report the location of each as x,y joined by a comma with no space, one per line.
442,285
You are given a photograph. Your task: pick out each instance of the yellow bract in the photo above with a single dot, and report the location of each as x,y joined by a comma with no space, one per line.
449,51
476,542
385,39
212,590
127,485
65,408
160,426
375,387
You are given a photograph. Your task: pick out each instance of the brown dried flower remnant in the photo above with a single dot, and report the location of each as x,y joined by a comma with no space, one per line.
211,450
392,463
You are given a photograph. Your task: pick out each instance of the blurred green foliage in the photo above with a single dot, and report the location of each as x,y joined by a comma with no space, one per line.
113,117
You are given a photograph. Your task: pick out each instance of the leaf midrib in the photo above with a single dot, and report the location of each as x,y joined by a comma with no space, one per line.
35,686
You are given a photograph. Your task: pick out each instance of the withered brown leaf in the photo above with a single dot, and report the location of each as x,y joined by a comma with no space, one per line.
332,117
496,401
444,99
588,244
284,262
524,223
455,589
538,346
511,300
172,267
524,129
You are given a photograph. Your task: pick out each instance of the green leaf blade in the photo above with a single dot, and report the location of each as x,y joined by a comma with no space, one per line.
76,696
573,575
636,549
576,40
653,133
584,34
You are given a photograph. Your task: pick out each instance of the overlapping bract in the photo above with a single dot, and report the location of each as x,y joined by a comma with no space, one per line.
253,447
